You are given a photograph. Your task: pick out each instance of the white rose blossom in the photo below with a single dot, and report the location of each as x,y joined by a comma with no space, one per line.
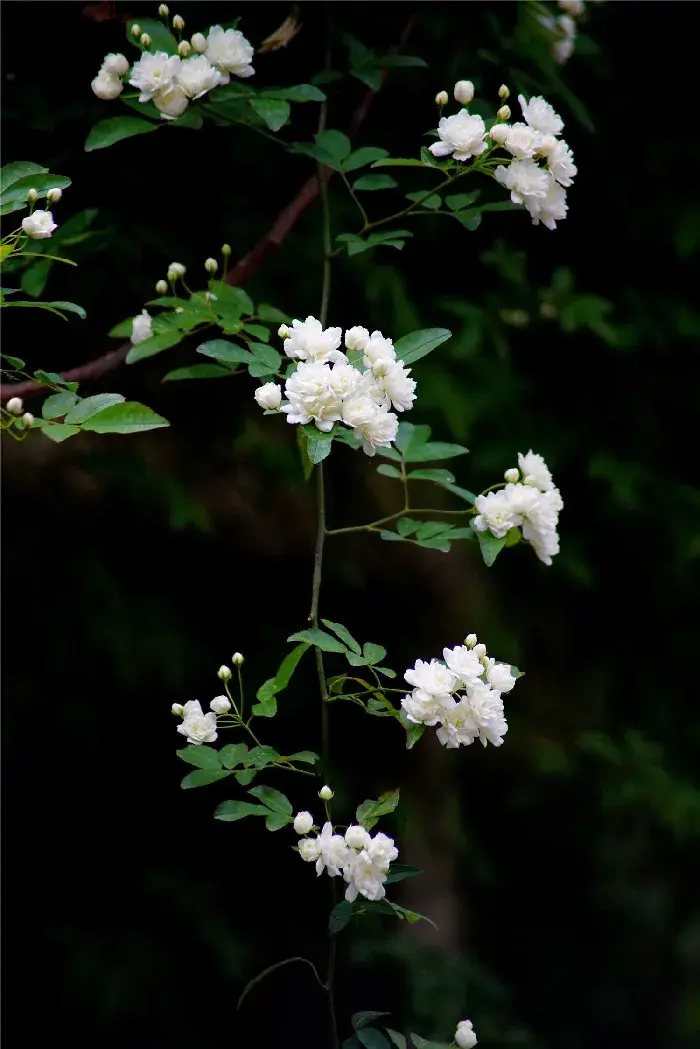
115,65
533,465
303,822
356,338
220,705
172,101
229,51
378,348
357,837
372,424
465,1037
309,341
461,135
269,395
141,327
39,225
154,73
433,678
560,159
522,141
551,208
541,116
107,87
197,75
525,180
197,726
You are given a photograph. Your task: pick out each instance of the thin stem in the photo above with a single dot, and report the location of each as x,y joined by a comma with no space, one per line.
270,969
313,616
351,191
374,525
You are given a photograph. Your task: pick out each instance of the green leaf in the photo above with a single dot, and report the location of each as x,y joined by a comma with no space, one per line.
490,546
266,354
434,450
400,871
35,277
307,756
262,756
271,314
58,405
359,158
389,536
288,666
275,112
190,118
394,238
319,638
369,811
197,371
418,344
107,132
372,1039
397,1038
16,170
462,493
127,417
59,431
273,799
441,477
433,202
513,537
232,754
277,820
413,734
458,201
245,776
385,671
318,445
298,93
398,162
14,197
258,331
230,811
373,653
221,350
339,917
410,436
161,37
266,707
202,756
156,344
427,158
429,529
15,362
370,182
343,633
393,61
470,218
363,1019
389,471
90,406
421,1043
335,143
202,777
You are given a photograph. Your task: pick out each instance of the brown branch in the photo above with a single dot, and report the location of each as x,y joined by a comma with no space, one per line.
240,272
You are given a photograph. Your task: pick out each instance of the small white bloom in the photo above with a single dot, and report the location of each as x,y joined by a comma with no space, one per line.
333,852
464,663
184,49
364,877
512,475
311,396
15,405
115,65
197,75
465,1037
211,265
503,113
505,509
220,705
309,849
27,420
309,341
540,115
303,822
107,87
377,349
572,7
442,98
171,102
153,74
457,728
560,159
525,180
522,141
357,837
433,677
283,331
422,708
199,42
175,270
325,793
470,640
197,726
534,466
504,92
382,851
356,338
39,224
163,10
269,396
32,195
376,427
551,208
162,287
178,22
145,40
54,195
499,676
464,92
562,50
177,708
461,135
540,525
237,659
396,385
499,133
141,327
230,51
224,673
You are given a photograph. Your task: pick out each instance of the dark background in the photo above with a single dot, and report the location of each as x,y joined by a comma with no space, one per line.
562,869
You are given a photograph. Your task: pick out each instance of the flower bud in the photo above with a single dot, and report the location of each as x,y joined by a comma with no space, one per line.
220,705
442,98
145,40
504,92
15,405
504,113
269,396
224,672
303,822
356,837
380,368
178,22
531,480
163,10
32,195
548,143
225,248
465,1037
199,42
237,659
283,331
27,420
54,195
136,31
178,709
162,287
512,475
470,640
210,265
480,651
464,92
325,793
183,49
499,133
175,270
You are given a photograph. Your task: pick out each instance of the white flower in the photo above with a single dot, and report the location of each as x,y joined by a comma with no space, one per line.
141,327
162,287
224,672
154,73
382,851
499,676
171,101
525,180
220,705
464,1035
540,115
184,49
562,50
464,92
230,51
178,22
378,349
503,510
237,659
325,793
15,405
39,225
396,386
196,726
486,707
433,678
464,664
177,708
572,7
512,475
197,75
311,396
199,42
551,208
303,822
107,87
422,708
371,423
480,651
356,338
534,465
309,341
540,525
54,195
522,141
499,133
503,113
357,837
364,878
269,396
333,852
309,849
461,135
175,270
115,65
442,98
560,159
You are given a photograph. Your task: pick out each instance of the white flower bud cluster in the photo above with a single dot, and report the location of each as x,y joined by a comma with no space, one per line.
325,388
461,696
533,505
171,82
362,859
197,726
465,1037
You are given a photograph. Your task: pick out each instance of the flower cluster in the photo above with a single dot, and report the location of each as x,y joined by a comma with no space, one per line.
197,726
563,29
38,224
461,695
326,388
171,82
362,859
532,504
